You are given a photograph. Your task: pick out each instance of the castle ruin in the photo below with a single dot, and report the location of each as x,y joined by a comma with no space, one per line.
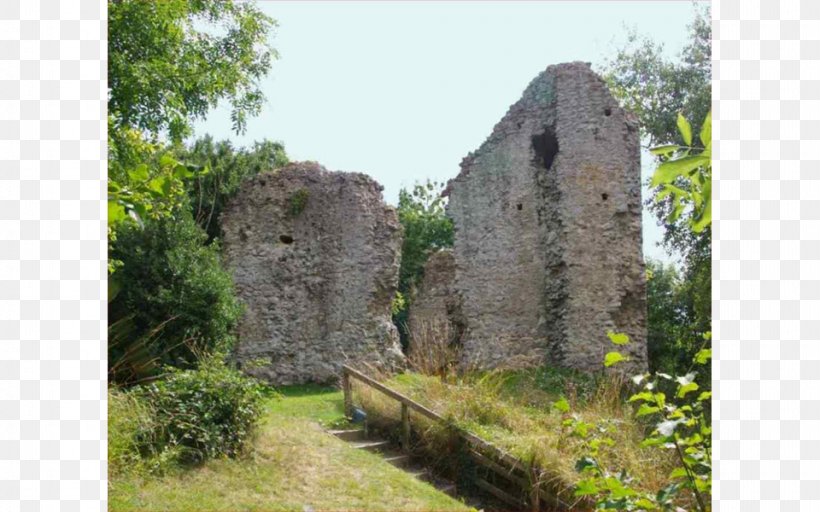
315,259
547,216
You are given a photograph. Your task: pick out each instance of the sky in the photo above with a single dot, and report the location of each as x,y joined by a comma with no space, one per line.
402,91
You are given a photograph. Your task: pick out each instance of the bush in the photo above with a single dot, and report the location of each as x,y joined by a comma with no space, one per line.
206,413
175,291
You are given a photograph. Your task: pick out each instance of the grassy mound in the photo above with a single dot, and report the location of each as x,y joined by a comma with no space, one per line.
513,410
293,465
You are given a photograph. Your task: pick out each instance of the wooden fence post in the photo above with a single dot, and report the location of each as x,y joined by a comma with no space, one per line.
347,393
405,425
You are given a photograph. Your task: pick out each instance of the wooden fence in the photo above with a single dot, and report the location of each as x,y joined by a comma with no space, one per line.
517,473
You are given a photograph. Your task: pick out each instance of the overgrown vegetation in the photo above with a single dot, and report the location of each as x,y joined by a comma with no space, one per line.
172,308
513,409
658,90
426,229
174,280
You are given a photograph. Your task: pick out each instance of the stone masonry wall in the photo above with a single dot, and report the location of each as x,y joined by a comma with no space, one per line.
547,214
436,310
315,258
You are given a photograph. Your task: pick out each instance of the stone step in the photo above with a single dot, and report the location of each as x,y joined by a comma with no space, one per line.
355,434
371,446
421,474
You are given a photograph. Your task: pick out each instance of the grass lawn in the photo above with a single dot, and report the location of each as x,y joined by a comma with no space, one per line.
295,465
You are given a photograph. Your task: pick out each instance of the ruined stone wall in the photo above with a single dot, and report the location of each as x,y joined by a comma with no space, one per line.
547,216
436,310
315,258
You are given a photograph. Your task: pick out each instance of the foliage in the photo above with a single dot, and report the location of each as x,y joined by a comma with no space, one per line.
170,62
228,168
657,89
207,412
176,290
146,193
679,424
685,177
426,229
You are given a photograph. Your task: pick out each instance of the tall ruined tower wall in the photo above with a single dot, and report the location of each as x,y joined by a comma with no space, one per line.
315,258
547,216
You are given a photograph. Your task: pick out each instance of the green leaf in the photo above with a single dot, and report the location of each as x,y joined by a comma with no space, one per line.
116,213
643,395
706,131
646,409
664,150
618,338
692,386
158,185
613,358
668,171
704,219
139,173
182,172
706,395
685,129
586,488
703,356
562,405
645,504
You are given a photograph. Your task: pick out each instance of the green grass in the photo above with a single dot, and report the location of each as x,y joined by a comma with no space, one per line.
293,464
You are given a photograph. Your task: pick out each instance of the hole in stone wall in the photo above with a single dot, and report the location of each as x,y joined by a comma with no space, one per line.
286,239
604,196
519,206
607,112
545,146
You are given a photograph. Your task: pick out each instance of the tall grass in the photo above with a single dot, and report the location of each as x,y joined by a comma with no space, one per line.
513,410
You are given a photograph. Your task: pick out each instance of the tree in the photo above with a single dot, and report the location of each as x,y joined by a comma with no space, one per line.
659,90
228,168
170,62
426,229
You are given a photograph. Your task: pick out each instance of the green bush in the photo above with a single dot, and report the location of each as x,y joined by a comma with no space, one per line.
175,292
205,413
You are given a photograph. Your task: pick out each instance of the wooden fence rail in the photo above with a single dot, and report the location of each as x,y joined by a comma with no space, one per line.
482,452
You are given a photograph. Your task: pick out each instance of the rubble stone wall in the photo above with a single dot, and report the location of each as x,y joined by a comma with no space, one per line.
547,216
315,258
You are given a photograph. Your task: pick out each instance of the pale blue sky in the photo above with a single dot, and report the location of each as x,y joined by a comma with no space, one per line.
403,91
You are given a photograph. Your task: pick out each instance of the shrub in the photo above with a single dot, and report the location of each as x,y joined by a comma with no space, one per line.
174,287
208,412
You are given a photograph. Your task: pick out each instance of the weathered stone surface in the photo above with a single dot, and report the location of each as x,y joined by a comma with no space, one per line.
315,258
547,216
436,308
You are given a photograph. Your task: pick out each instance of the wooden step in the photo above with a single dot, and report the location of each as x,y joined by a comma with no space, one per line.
371,446
399,460
355,434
